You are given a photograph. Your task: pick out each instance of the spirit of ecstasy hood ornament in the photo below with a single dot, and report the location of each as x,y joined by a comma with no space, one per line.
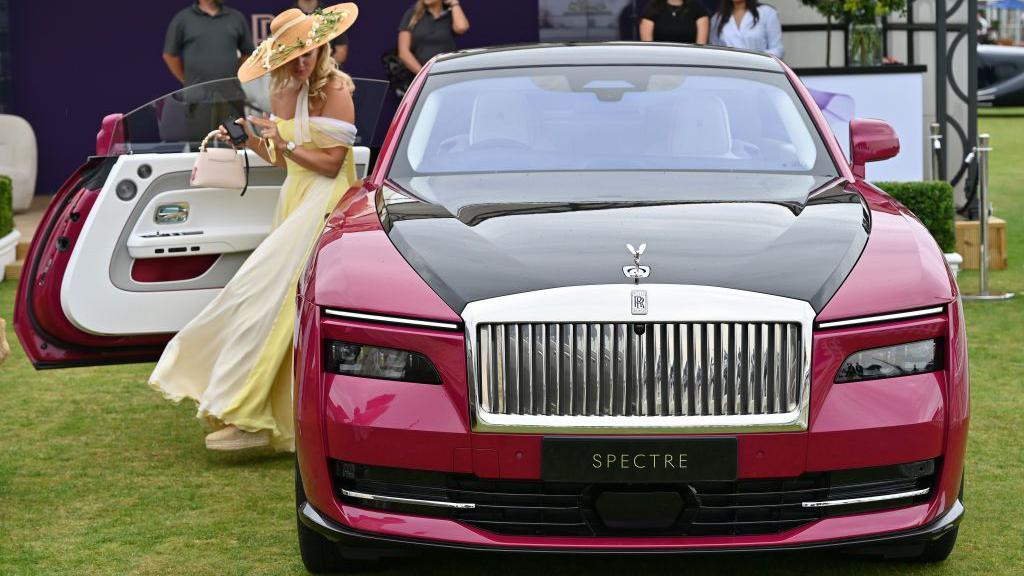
636,271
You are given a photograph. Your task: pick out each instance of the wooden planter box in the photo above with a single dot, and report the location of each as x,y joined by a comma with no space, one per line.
968,243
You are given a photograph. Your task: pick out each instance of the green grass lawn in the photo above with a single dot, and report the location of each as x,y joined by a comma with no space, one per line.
99,475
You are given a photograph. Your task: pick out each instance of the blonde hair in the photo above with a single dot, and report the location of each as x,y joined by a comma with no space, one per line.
324,72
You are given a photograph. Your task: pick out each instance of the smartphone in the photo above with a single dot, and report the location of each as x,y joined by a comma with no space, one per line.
235,132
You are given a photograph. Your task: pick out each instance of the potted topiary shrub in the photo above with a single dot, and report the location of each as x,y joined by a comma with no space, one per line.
8,235
932,203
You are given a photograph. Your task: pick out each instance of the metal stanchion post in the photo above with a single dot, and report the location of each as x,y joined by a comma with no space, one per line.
982,151
936,139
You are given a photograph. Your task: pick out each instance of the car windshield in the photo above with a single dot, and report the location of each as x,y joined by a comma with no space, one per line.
178,122
610,118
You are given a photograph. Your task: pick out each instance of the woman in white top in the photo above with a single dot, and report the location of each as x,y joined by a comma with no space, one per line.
747,24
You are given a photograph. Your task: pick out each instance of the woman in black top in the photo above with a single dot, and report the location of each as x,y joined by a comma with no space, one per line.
683,21
429,28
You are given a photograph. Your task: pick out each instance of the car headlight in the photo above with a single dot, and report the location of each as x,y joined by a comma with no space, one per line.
375,362
899,360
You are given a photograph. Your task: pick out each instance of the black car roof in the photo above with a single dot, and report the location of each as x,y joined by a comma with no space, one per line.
610,53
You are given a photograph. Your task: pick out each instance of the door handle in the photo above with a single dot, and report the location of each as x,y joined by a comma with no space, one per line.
176,213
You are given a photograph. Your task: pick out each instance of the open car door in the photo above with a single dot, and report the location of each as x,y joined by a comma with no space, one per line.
127,252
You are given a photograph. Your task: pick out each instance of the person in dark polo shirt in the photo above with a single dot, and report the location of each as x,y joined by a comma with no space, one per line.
429,28
206,42
339,46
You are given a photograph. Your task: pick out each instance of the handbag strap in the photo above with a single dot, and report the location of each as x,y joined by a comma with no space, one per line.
246,187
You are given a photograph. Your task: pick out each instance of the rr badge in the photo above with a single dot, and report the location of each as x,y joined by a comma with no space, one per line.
638,302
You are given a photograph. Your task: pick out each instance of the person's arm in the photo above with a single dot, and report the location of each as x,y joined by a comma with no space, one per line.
460,24
646,30
773,30
405,52
703,26
173,44
324,161
176,66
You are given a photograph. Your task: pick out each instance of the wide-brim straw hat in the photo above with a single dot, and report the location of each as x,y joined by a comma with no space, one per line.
293,33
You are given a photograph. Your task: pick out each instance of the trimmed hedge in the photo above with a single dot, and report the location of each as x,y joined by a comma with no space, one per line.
6,209
932,203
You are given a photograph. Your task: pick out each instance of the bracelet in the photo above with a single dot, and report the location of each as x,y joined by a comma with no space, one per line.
272,151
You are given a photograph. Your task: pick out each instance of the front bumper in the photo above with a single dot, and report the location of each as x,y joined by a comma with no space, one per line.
368,543
427,428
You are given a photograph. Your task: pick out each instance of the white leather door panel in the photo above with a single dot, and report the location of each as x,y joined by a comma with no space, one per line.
98,294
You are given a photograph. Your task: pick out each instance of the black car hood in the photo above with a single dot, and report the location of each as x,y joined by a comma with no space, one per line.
473,237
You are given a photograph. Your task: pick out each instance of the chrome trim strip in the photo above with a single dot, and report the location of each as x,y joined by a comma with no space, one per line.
416,501
828,503
671,303
881,318
390,320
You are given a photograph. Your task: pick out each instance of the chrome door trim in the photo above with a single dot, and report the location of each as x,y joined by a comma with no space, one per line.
611,303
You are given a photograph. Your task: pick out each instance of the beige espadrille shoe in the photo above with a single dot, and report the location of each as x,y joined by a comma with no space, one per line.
232,438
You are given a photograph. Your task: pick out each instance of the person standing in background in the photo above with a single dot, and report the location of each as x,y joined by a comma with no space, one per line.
747,24
684,21
429,28
339,46
206,41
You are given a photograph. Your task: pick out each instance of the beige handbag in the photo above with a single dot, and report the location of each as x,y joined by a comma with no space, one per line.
220,167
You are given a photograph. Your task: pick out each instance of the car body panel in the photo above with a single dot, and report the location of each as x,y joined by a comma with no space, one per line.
902,267
375,277
1000,75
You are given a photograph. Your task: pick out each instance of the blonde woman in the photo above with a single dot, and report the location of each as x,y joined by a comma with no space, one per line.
235,358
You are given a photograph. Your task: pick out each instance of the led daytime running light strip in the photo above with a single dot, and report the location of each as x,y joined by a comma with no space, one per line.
881,318
376,318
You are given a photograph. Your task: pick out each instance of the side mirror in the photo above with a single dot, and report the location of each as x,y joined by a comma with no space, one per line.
871,141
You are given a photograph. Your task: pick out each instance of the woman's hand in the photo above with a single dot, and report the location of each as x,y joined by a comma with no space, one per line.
267,131
223,135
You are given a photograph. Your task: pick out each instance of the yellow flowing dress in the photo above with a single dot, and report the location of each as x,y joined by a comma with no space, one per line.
235,358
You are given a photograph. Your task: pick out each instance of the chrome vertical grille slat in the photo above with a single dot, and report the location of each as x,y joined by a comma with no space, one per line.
688,369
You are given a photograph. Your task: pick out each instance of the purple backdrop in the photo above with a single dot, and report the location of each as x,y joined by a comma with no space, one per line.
75,62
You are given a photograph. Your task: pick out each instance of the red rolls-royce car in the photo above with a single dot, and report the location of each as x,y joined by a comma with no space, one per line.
593,298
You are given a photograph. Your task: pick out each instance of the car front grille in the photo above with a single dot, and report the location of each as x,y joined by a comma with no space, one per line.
538,508
640,369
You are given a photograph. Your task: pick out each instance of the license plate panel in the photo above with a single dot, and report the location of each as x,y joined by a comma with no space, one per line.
590,459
